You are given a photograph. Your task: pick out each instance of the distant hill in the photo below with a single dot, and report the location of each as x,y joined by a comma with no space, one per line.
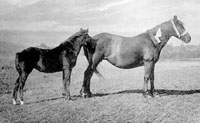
8,49
182,52
34,38
15,41
44,46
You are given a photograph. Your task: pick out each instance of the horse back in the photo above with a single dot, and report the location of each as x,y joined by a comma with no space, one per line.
26,59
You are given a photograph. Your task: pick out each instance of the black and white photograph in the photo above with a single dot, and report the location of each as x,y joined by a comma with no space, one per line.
99,61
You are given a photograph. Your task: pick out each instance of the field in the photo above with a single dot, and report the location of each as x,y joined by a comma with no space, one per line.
117,98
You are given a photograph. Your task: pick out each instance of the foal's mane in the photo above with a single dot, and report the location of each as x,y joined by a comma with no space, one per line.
69,43
72,38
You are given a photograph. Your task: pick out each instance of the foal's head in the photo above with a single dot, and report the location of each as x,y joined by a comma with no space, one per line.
87,40
180,30
84,38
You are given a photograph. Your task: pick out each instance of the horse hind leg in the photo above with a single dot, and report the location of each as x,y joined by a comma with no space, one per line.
21,86
85,90
15,91
20,82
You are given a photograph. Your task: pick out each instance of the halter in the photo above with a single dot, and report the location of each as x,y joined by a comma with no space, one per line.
159,33
176,30
179,35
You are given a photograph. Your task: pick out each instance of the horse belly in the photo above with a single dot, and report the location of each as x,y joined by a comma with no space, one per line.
125,63
48,66
125,57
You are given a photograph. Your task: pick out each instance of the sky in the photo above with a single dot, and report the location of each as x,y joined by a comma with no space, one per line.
122,17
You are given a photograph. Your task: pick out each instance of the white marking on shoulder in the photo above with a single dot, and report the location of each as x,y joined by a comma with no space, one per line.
158,34
115,47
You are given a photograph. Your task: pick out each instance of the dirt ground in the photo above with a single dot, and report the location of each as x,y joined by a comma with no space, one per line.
117,98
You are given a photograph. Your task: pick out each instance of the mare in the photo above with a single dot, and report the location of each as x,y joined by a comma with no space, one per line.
130,52
61,58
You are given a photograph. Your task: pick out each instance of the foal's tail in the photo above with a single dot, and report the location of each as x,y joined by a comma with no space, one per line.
17,62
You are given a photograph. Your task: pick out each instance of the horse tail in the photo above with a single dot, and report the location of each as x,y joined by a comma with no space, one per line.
88,55
17,59
98,73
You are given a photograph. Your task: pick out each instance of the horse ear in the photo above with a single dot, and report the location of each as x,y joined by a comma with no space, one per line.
175,18
95,39
87,29
81,29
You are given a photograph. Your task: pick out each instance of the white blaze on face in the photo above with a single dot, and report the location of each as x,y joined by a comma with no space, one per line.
158,34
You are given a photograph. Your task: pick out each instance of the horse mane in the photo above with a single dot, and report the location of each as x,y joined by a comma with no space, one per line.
91,45
154,29
69,43
72,38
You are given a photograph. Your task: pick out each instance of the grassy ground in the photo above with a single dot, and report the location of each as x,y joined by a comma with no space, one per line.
117,98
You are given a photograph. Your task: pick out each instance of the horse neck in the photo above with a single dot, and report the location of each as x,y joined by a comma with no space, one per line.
76,46
167,32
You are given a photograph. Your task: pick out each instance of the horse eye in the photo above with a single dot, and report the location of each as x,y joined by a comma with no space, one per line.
183,27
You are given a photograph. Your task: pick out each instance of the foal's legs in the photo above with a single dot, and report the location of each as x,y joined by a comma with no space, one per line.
23,70
66,83
22,81
96,59
15,91
148,75
19,85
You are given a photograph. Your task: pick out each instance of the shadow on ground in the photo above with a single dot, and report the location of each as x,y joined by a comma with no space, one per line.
73,98
161,92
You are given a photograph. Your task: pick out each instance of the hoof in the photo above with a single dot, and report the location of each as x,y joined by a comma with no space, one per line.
21,102
156,94
86,95
14,102
68,98
147,94
151,94
64,94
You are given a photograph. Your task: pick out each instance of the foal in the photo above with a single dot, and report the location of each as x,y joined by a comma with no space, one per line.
61,58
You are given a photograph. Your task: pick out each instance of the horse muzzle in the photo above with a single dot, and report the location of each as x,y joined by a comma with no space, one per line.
186,38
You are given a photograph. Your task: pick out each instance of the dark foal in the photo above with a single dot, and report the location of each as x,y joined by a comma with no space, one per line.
130,52
61,58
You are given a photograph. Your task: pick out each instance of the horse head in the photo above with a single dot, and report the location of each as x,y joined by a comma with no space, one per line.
88,41
181,32
85,36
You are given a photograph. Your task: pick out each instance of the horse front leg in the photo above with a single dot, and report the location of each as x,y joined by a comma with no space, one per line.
66,83
152,89
148,75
